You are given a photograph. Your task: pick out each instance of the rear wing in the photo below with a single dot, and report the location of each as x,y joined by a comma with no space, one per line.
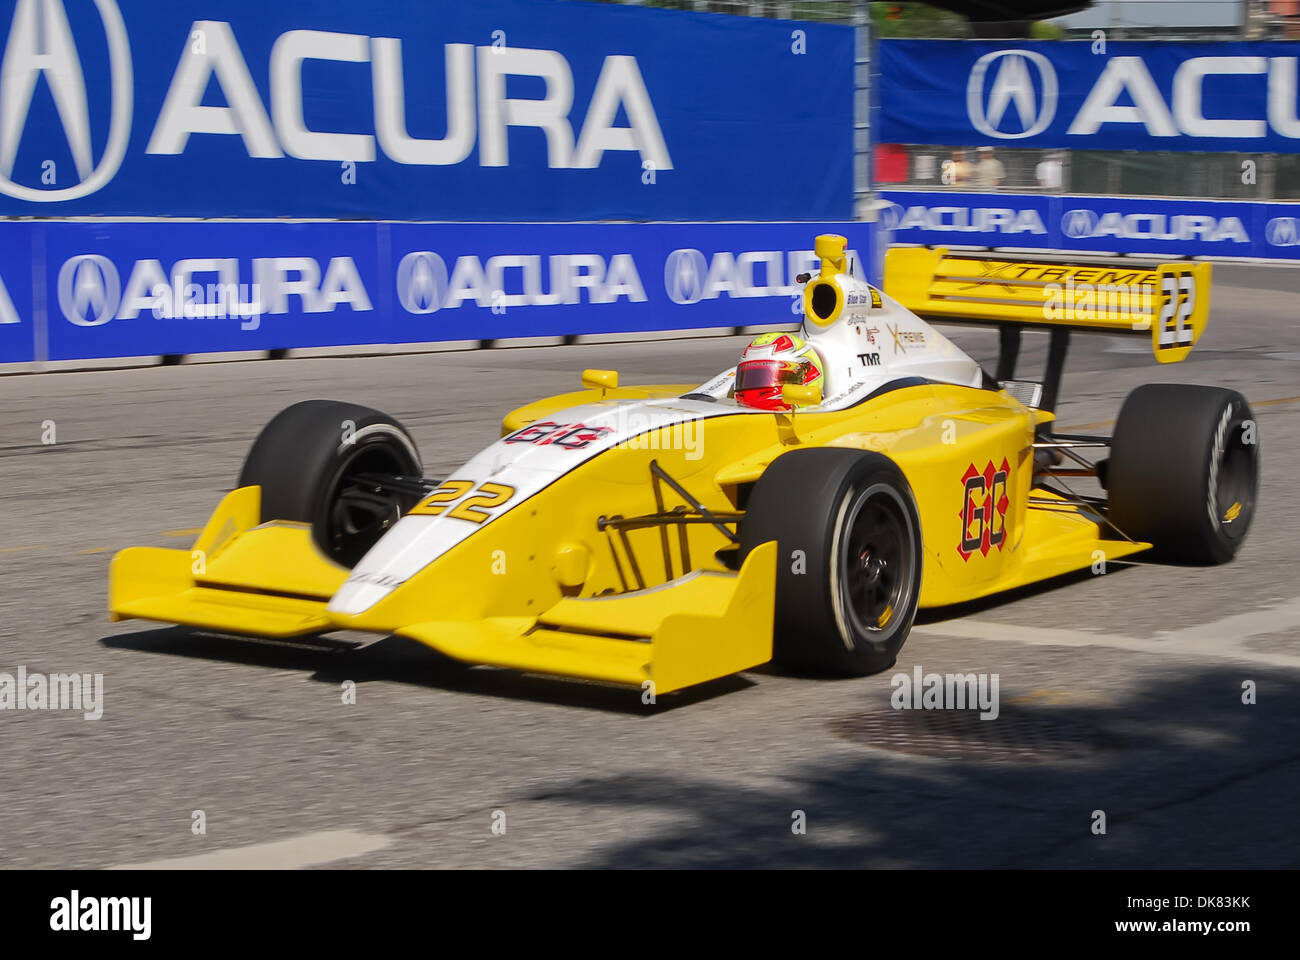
1168,302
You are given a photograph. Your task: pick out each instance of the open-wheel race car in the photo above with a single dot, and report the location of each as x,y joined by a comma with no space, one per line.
798,507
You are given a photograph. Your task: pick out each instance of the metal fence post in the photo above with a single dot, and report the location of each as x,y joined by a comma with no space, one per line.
863,104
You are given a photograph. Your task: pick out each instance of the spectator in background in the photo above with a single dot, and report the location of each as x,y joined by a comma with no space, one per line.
891,163
956,172
989,172
1050,171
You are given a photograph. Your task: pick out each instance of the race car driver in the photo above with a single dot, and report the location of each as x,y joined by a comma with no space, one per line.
771,361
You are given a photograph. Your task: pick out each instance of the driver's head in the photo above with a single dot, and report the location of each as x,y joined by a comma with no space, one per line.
770,362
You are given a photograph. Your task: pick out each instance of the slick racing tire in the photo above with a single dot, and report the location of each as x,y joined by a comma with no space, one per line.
311,461
848,569
1184,471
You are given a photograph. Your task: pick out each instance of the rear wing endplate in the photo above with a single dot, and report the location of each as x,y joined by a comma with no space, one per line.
1168,302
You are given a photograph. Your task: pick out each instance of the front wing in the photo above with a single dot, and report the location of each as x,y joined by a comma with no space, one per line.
268,579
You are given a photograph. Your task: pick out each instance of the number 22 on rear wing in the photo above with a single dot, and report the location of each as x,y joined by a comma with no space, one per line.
1184,310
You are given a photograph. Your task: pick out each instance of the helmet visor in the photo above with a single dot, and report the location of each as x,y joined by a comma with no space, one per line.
766,374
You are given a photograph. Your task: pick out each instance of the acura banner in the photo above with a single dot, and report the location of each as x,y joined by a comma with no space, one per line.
420,110
1140,225
72,290
1091,95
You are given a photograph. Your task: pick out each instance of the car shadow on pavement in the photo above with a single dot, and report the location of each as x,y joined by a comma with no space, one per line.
952,611
1185,773
396,659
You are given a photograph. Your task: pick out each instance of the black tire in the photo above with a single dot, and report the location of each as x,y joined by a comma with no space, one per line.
1184,471
852,514
307,461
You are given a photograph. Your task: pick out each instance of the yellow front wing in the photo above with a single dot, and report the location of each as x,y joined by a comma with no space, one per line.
269,580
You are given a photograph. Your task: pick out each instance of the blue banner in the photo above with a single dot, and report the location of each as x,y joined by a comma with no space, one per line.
421,110
73,290
1141,225
1091,95
20,328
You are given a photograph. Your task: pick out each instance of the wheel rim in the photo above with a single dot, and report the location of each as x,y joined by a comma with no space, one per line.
358,512
1235,483
877,561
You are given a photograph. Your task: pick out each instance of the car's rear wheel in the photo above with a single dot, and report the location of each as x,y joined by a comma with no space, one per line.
317,462
848,558
1184,471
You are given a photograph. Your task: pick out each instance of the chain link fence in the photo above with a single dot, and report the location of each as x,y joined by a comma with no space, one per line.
826,11
1218,176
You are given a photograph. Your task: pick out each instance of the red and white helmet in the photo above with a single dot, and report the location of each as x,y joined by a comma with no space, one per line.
771,361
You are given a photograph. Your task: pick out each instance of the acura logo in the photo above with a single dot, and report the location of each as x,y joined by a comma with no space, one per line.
421,281
40,42
89,290
684,274
1283,232
1077,224
1012,86
7,312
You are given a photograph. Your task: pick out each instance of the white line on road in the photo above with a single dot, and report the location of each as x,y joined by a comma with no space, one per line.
1224,639
1241,626
305,851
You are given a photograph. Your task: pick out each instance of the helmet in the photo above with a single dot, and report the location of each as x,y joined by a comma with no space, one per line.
771,361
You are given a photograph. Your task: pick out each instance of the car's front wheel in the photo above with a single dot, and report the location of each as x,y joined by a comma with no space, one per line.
318,461
848,558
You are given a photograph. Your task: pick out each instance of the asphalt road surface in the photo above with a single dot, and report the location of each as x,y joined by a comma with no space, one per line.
1120,693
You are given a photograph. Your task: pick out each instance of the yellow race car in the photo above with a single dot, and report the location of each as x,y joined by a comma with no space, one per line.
662,536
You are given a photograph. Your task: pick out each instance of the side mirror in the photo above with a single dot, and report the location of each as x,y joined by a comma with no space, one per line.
604,379
801,394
